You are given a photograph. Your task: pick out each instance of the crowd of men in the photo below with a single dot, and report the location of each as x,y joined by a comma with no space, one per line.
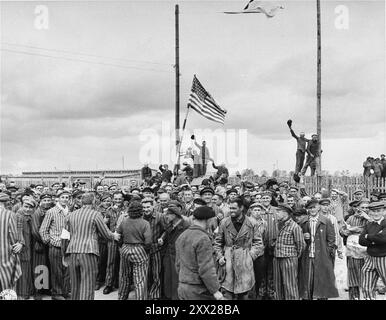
375,167
208,241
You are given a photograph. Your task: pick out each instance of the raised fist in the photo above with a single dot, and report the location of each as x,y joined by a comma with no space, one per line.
289,123
192,137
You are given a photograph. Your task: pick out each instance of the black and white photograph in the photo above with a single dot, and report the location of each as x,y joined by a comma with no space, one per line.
192,150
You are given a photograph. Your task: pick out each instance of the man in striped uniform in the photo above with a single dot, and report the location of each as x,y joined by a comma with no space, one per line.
111,218
10,269
105,203
355,253
374,238
51,229
267,290
40,263
156,226
24,286
83,226
136,239
288,249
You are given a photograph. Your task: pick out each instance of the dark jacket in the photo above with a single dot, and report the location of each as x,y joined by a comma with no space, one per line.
194,259
166,174
376,238
146,173
324,277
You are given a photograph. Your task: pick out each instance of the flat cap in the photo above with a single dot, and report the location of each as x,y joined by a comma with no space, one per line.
77,193
232,190
376,205
105,195
203,213
13,189
256,204
325,201
382,195
266,193
294,187
62,191
354,203
312,203
46,195
199,201
205,190
4,197
147,189
300,212
358,191
30,201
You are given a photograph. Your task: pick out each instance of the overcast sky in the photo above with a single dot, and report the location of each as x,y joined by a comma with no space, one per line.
58,113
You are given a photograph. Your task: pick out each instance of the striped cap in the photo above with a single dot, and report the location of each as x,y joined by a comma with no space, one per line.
376,205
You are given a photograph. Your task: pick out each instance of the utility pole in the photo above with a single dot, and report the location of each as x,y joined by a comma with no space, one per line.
177,70
319,86
123,163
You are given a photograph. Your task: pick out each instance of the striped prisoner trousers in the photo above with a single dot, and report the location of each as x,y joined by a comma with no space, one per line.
112,270
83,269
285,274
154,275
373,269
267,288
134,257
60,276
354,277
24,285
40,258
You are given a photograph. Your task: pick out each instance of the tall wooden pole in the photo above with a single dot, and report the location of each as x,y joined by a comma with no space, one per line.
319,86
177,69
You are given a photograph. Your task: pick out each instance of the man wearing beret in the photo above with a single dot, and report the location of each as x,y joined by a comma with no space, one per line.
316,273
50,231
237,244
374,238
175,224
25,286
10,246
40,249
197,278
288,249
267,290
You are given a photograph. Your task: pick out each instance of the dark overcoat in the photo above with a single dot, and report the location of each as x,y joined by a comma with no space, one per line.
324,276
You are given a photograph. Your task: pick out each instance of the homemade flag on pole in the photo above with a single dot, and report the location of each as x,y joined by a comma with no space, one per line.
201,101
254,6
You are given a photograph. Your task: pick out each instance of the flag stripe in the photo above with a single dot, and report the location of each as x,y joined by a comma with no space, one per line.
193,102
202,102
194,98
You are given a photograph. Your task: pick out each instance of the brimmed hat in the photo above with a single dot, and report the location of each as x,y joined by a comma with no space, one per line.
376,205
312,203
232,190
325,201
199,201
46,195
62,191
354,203
203,213
205,190
148,189
256,204
358,191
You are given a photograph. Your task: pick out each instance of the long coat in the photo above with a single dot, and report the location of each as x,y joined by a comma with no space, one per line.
168,253
324,277
239,249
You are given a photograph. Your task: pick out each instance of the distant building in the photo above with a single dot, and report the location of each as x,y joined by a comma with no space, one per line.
122,177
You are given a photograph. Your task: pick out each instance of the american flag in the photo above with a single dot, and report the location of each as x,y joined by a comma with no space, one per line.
201,101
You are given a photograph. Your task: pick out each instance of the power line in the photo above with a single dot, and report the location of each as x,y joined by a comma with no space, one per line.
85,54
84,61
